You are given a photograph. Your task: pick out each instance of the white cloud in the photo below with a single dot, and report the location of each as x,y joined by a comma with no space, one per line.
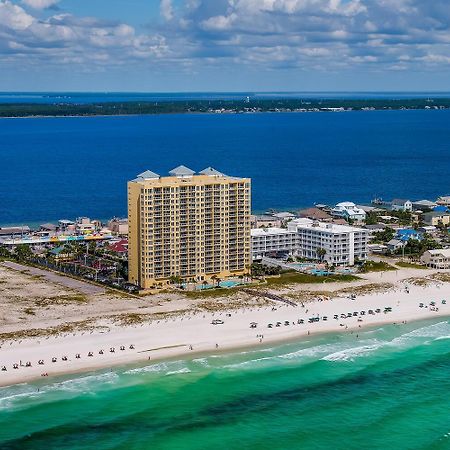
40,4
14,17
166,9
272,34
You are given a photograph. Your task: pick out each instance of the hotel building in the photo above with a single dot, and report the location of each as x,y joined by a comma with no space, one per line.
188,225
343,244
267,241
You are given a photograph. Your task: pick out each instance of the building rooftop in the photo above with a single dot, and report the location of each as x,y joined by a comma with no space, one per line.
314,213
399,201
323,226
443,251
270,231
184,174
210,171
182,171
148,175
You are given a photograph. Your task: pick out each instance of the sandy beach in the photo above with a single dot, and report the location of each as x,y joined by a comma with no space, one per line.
187,332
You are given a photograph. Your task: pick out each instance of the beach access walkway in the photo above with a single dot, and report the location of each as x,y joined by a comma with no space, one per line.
71,283
270,296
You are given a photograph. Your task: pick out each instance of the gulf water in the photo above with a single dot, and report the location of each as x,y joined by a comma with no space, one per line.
387,389
53,168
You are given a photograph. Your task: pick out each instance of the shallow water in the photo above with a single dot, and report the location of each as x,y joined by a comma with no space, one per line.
388,388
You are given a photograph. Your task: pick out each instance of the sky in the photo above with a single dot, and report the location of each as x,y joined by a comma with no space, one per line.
224,45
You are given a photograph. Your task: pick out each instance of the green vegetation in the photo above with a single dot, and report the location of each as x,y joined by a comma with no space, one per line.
211,293
376,266
202,106
304,278
260,270
416,247
410,265
23,252
380,237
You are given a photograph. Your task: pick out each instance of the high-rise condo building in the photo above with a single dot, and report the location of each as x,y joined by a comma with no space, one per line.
187,225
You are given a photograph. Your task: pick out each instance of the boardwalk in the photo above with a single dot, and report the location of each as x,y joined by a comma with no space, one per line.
270,296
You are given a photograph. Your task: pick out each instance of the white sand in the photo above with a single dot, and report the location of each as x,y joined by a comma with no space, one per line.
173,337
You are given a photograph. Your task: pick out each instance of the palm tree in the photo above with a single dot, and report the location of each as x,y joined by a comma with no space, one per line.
321,252
216,279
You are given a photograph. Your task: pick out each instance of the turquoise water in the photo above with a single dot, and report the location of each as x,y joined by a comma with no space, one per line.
388,388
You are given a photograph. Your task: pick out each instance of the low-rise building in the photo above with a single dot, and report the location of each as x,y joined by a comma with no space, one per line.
395,244
437,259
349,211
273,240
423,204
9,232
399,204
118,226
435,218
443,200
285,216
407,234
375,228
336,244
265,221
315,214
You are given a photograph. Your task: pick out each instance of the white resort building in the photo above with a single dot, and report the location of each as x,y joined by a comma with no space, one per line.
343,244
273,240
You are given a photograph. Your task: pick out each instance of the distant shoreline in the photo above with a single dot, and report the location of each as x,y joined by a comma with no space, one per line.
219,107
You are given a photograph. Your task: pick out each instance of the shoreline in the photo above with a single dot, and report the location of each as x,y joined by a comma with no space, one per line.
230,113
192,334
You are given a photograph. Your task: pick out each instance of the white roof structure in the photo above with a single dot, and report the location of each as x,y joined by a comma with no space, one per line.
284,215
270,231
348,209
426,203
443,251
323,226
182,171
148,175
210,171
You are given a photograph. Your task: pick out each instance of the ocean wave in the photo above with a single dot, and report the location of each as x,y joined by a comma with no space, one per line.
176,372
201,361
350,354
312,351
9,401
161,367
250,362
435,330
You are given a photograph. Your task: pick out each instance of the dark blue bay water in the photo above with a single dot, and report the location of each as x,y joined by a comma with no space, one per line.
66,167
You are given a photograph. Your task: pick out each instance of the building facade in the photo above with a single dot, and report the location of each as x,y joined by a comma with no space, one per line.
267,241
436,259
340,245
187,225
436,218
349,211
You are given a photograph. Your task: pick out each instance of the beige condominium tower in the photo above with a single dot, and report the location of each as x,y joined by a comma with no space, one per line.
187,225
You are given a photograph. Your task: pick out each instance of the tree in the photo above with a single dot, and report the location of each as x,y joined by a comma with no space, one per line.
321,252
23,252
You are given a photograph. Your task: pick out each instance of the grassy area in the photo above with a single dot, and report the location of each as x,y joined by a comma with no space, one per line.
304,278
211,293
376,266
409,265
